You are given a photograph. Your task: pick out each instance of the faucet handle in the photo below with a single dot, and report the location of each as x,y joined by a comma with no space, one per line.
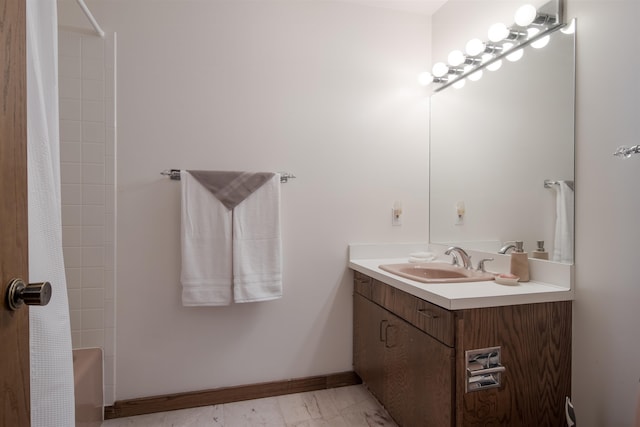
481,264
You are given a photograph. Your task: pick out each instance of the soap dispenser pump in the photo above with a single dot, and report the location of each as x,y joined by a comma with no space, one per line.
520,262
540,253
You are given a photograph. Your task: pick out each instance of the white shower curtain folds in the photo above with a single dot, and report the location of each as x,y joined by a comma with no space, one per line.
51,360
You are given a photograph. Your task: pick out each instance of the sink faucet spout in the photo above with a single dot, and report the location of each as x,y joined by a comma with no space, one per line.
459,253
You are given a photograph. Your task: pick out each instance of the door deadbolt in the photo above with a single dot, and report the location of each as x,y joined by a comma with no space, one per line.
19,294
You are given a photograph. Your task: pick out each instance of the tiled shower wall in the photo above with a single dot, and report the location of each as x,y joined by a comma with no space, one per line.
87,155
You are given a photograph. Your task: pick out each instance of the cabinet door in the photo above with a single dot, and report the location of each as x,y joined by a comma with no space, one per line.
410,372
368,346
418,377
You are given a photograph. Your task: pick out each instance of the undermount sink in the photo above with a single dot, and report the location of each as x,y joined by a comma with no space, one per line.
436,272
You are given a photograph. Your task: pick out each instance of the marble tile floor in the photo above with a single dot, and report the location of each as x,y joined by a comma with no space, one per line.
351,406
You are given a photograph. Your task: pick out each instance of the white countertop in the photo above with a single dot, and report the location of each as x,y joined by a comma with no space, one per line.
456,296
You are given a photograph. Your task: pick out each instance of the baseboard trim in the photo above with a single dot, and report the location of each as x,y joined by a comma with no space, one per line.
171,402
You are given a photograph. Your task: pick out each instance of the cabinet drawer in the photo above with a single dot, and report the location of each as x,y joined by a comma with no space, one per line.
430,318
362,284
435,321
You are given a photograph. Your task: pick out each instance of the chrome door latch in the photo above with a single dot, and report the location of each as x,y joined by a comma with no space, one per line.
19,294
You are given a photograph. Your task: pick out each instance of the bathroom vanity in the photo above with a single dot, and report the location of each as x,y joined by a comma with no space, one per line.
502,365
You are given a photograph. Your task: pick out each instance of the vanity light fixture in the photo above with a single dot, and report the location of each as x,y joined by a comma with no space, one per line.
531,27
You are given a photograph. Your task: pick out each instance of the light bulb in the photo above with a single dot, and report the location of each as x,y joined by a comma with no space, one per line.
486,58
540,43
474,47
498,32
516,55
569,29
456,58
425,78
440,69
495,65
474,77
532,32
507,46
525,15
459,84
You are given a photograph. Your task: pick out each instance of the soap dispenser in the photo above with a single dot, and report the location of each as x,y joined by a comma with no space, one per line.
540,253
520,262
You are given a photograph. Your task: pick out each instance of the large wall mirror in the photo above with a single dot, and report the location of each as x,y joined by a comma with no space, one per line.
494,142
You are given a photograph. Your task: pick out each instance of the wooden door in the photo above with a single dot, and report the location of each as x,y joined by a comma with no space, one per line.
14,325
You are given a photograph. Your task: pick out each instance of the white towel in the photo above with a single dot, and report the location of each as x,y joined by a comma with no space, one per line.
563,242
206,275
257,248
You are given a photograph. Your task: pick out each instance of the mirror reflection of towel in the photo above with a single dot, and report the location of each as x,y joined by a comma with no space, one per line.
563,241
237,249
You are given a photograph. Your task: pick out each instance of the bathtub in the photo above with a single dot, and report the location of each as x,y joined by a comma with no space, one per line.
87,373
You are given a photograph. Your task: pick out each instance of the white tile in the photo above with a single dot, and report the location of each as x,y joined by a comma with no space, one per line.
92,111
71,215
72,257
71,194
76,339
110,138
92,47
70,88
93,132
109,204
75,300
74,277
93,174
70,67
93,153
93,277
75,316
93,194
92,257
70,109
70,152
110,111
94,298
109,372
109,395
259,412
93,215
70,173
109,313
69,44
109,255
71,236
296,408
92,318
93,235
109,281
92,89
325,404
109,225
93,68
110,170
70,131
92,337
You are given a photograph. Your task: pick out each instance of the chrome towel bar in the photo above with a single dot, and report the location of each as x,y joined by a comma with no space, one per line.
175,175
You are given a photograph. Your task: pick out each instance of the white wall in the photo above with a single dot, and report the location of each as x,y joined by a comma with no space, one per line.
606,348
325,90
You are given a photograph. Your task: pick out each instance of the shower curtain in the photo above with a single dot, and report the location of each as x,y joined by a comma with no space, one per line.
52,396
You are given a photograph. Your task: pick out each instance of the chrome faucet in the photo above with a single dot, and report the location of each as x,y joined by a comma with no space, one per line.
505,248
457,254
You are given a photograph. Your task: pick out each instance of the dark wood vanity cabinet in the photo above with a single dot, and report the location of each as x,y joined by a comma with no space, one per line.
411,355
